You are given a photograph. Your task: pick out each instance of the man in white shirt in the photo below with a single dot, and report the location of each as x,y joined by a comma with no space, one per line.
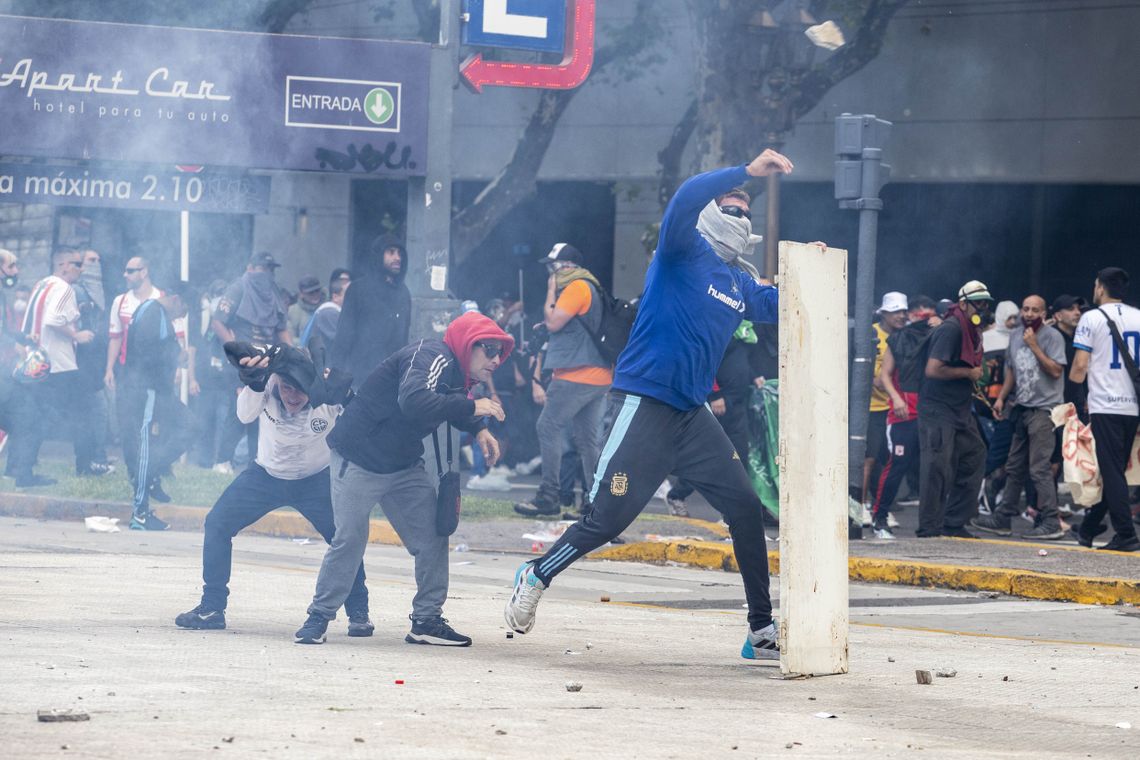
1112,402
296,411
139,289
52,321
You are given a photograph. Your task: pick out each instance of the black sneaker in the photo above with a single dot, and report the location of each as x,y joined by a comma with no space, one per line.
435,631
1118,544
1045,532
959,532
202,618
34,481
1084,539
359,625
313,631
539,505
999,526
157,494
148,522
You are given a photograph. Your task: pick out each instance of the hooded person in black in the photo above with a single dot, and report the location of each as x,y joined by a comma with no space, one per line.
377,312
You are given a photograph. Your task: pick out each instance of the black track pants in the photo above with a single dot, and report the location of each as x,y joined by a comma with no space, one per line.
648,441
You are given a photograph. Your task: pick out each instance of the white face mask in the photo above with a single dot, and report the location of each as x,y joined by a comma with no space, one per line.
730,236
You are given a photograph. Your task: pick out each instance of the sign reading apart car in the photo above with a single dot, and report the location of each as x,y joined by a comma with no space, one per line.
157,95
519,24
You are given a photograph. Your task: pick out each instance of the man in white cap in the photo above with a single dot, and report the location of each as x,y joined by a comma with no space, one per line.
892,317
952,451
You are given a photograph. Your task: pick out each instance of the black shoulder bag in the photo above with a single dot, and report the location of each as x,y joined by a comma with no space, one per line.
447,503
1125,356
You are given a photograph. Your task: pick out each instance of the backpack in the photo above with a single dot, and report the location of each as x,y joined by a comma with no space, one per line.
614,326
910,347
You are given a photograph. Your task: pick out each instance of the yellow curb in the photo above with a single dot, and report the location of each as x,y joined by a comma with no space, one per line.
1023,583
712,527
1051,546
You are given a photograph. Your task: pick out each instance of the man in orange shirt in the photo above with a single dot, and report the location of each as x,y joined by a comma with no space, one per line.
576,397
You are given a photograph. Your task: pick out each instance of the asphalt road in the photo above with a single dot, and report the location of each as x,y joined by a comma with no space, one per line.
87,623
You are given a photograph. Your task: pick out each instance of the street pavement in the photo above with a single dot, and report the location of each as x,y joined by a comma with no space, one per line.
87,623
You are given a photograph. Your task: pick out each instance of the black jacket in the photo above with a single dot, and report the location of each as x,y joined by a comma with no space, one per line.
409,395
374,320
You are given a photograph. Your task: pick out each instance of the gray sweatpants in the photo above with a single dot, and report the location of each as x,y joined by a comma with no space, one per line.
579,408
408,500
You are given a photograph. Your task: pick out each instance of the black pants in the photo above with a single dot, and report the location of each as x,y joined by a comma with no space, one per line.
155,428
59,396
647,441
902,443
253,494
734,421
1114,434
953,457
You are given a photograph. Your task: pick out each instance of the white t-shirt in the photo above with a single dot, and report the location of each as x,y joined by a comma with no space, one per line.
1110,389
123,310
288,447
51,308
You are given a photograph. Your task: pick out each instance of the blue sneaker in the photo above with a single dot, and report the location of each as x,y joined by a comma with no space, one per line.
761,645
524,599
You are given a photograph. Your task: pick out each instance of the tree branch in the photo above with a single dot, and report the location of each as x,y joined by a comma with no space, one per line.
278,13
517,180
670,155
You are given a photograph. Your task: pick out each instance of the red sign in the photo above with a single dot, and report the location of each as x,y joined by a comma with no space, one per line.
571,72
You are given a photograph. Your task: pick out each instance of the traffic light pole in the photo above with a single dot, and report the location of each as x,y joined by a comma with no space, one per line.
869,206
859,174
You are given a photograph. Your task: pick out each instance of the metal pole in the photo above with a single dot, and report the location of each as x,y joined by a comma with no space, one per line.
869,206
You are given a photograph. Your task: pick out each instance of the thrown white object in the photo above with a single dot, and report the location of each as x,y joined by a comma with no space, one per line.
827,35
101,524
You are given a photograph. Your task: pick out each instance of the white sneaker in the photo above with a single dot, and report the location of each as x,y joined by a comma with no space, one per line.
528,468
501,470
520,609
892,523
224,468
762,644
662,491
884,534
488,482
866,516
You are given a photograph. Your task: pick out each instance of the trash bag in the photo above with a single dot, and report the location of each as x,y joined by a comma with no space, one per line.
764,443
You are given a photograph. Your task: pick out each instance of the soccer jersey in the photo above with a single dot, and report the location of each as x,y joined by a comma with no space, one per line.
1110,388
51,308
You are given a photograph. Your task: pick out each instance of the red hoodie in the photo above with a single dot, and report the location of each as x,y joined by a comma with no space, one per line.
466,330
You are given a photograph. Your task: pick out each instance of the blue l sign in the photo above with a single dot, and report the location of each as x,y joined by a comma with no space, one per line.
518,24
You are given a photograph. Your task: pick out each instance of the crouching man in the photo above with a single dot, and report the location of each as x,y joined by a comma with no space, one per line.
377,450
296,408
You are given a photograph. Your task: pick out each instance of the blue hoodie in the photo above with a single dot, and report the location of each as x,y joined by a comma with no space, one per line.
692,304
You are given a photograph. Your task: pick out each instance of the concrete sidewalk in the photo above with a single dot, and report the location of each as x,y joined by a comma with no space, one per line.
1065,572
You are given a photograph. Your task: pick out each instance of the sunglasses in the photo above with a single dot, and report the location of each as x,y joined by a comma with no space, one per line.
490,350
132,270
737,211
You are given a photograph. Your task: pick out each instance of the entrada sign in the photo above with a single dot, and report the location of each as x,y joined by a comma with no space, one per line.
117,92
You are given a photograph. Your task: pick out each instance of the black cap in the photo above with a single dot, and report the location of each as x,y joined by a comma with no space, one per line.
263,259
563,252
309,283
1066,301
295,367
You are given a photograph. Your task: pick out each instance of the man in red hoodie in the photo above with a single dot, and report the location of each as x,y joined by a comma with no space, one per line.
377,450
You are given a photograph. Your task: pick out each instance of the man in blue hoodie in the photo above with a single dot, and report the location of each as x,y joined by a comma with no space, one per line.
697,290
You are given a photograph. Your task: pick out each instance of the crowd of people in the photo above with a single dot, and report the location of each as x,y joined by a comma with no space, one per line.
964,395
333,398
